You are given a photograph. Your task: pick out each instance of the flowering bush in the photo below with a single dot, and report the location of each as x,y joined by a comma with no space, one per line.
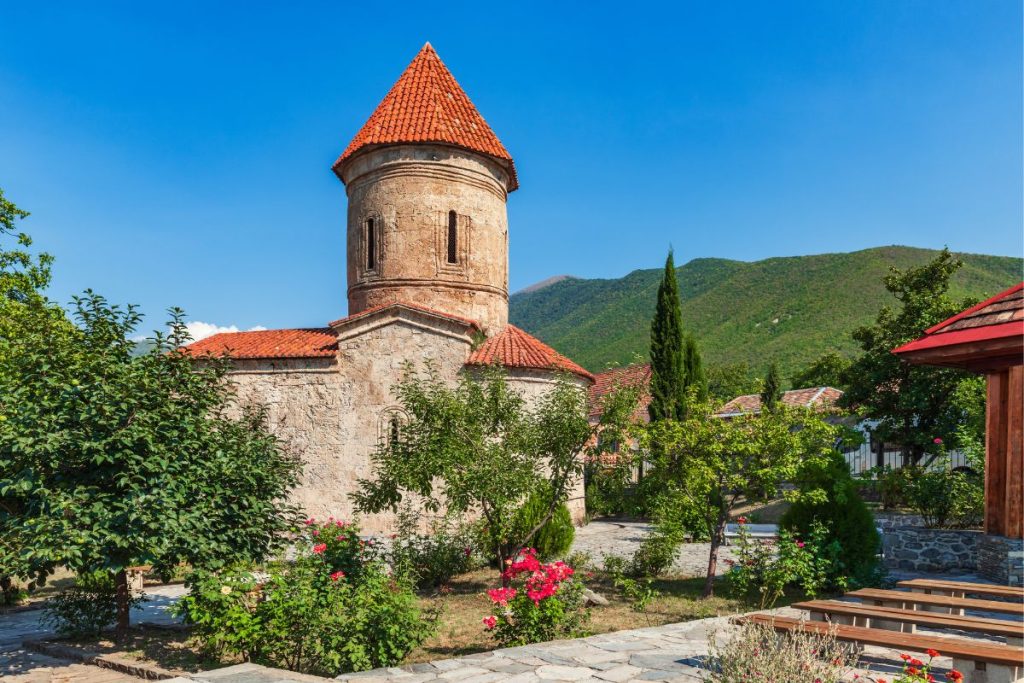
758,653
539,602
764,569
917,671
340,545
333,609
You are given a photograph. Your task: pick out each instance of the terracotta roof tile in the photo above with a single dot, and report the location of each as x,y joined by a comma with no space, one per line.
513,348
824,397
638,375
300,343
427,104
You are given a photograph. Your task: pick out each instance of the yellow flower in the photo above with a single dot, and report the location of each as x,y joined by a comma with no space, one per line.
224,590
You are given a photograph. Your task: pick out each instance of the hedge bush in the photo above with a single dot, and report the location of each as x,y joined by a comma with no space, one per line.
555,537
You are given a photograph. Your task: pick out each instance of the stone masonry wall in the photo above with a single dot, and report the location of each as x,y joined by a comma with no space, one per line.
408,191
918,548
331,413
1001,559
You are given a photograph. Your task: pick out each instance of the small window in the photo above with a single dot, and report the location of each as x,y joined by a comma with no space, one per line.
371,244
453,237
394,431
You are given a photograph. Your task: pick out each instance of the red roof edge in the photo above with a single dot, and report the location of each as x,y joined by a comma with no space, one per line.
404,304
976,307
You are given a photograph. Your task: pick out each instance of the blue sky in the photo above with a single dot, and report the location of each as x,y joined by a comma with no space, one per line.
179,153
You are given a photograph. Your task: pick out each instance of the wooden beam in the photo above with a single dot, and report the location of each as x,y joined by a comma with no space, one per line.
995,451
1014,514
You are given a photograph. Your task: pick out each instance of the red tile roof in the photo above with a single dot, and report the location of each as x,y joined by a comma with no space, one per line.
824,397
996,323
426,104
266,344
404,304
513,348
638,375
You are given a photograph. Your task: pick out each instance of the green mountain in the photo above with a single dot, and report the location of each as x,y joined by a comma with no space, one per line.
790,310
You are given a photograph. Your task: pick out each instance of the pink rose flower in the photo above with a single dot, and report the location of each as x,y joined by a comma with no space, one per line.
337,576
319,548
490,622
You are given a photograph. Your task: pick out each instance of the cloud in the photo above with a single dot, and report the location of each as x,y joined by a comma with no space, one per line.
201,330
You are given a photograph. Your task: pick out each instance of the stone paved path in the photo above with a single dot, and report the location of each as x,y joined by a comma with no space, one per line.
603,537
18,664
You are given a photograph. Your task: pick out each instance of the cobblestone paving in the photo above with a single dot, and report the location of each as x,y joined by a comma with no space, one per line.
19,665
601,538
663,653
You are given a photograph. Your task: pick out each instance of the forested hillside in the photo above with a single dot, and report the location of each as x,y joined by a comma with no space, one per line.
789,309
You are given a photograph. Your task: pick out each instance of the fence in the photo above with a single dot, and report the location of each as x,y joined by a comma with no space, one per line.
868,455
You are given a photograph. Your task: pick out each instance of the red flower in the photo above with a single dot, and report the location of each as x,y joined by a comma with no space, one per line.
501,596
337,576
310,522
490,622
912,671
880,680
741,520
916,662
932,652
937,440
954,676
467,551
931,679
905,657
319,548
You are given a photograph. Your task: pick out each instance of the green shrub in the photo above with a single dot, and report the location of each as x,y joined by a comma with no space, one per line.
306,615
948,500
86,608
848,520
764,569
431,560
554,538
894,485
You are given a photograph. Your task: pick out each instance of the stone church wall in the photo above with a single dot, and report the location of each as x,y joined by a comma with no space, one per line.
331,413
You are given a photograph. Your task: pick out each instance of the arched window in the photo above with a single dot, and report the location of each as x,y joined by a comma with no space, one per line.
371,244
390,424
453,237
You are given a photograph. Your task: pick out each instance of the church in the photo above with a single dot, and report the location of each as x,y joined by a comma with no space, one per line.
427,253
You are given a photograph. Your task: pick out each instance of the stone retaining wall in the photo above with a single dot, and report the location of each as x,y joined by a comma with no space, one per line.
917,548
1001,559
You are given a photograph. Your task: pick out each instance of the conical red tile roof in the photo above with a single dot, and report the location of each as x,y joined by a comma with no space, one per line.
426,104
513,348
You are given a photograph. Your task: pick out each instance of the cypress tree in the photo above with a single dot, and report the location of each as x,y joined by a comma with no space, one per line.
668,379
772,390
693,368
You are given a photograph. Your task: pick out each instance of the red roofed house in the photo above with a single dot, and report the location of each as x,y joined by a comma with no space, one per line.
427,182
812,397
989,338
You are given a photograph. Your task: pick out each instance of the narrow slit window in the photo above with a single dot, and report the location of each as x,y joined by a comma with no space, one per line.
371,244
453,237
394,431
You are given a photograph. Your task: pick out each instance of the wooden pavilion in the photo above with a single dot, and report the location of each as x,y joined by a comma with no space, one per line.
989,338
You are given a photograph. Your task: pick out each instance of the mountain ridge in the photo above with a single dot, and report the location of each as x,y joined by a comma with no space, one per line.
790,309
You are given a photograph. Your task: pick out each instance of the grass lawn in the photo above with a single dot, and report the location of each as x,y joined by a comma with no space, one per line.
460,631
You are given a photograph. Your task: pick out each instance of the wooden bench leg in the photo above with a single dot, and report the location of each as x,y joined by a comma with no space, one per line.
981,672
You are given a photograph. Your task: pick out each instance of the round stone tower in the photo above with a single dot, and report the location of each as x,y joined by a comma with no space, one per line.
427,182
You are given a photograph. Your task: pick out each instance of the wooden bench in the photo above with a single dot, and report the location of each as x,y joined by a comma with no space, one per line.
963,588
859,614
908,600
979,662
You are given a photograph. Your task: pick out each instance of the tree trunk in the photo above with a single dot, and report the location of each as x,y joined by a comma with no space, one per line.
123,601
717,538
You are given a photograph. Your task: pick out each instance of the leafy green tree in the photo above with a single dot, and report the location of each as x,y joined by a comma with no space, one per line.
828,370
478,448
726,382
668,371
771,390
693,368
110,460
708,464
913,404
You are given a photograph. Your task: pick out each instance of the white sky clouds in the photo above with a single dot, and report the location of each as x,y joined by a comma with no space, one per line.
200,330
